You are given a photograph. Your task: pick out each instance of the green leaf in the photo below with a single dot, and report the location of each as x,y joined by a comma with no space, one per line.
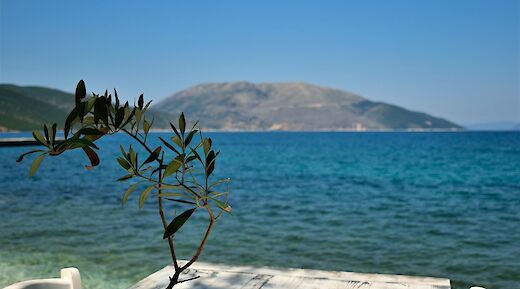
138,114
128,192
226,180
110,105
125,177
93,138
169,146
207,145
146,126
128,118
88,143
147,105
175,130
81,109
210,162
189,137
182,123
177,141
53,133
79,142
181,201
142,171
120,114
190,158
39,138
177,223
144,195
173,166
46,131
123,163
89,120
81,91
140,102
100,110
89,131
92,156
36,164
20,158
123,151
196,154
68,122
127,114
194,125
116,97
90,103
153,156
224,207
131,154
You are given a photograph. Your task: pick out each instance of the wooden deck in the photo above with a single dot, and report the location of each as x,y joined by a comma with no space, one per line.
22,141
214,276
15,142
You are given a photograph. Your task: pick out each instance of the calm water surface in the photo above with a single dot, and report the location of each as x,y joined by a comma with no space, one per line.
435,204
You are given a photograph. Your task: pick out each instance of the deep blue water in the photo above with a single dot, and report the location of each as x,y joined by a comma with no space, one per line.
435,204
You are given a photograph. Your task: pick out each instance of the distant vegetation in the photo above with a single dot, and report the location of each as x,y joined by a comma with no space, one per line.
25,108
236,106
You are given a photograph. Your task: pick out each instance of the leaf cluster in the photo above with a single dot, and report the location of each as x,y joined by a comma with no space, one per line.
179,171
92,118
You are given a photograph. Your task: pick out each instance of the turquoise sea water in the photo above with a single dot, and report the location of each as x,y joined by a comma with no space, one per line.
434,204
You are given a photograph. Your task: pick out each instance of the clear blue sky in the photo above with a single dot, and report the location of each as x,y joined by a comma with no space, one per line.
457,59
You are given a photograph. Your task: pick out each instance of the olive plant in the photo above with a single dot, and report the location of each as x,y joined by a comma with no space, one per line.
182,177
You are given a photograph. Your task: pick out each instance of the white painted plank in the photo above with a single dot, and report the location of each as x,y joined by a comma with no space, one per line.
214,276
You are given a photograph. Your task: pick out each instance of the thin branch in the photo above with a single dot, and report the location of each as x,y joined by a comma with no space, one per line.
203,242
159,197
163,219
138,140
188,188
189,279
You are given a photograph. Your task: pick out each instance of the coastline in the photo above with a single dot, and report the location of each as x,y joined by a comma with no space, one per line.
165,130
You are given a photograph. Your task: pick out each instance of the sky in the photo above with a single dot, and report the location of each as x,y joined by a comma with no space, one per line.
457,59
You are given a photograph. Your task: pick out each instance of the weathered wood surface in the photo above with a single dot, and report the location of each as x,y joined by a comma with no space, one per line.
14,142
214,276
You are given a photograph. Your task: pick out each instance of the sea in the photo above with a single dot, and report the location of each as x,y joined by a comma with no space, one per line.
441,204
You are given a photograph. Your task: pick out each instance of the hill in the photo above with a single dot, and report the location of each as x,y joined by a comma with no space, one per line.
233,106
291,106
28,107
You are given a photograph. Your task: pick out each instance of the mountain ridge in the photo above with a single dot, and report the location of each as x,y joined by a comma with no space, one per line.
234,106
242,105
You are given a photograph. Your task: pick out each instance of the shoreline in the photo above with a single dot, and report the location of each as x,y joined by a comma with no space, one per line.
313,131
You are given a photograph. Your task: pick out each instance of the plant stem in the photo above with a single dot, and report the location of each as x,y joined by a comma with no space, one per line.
159,198
203,242
138,140
178,270
175,278
163,219
189,279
